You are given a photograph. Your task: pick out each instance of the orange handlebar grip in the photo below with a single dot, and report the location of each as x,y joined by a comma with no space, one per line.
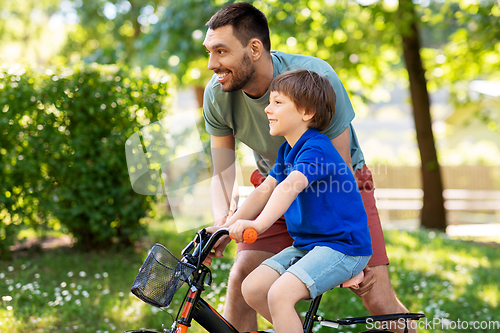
249,235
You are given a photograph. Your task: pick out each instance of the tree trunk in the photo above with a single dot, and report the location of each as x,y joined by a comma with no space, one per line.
433,214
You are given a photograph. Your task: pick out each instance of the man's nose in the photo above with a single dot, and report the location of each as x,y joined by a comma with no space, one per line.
213,63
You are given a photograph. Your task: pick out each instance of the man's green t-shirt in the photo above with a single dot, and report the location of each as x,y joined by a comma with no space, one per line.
236,113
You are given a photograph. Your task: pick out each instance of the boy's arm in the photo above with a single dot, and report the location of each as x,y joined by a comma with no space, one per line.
281,198
254,203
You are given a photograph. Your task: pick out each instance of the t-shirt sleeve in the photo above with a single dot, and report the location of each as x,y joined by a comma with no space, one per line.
311,163
214,122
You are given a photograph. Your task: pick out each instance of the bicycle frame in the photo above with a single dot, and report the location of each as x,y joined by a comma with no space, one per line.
195,308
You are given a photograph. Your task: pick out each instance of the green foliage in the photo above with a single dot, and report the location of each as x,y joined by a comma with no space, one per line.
65,290
63,150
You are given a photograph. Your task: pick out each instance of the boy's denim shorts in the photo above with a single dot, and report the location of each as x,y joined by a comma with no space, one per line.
320,269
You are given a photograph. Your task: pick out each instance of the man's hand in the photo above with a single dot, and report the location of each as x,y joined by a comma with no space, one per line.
367,284
220,246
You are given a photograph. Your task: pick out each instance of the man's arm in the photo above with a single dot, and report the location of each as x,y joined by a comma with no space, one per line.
224,186
255,202
343,145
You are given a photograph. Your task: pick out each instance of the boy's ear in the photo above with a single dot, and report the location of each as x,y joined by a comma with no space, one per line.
307,116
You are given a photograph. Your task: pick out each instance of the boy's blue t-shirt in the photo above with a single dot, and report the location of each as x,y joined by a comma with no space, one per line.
329,211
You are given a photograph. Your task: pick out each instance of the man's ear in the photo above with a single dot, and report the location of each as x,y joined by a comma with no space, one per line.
256,48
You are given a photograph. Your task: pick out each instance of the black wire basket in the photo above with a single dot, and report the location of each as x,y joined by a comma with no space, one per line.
160,276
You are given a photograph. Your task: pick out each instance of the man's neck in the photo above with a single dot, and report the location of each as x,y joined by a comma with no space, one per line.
264,73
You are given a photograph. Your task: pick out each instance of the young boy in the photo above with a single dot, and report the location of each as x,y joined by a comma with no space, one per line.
316,191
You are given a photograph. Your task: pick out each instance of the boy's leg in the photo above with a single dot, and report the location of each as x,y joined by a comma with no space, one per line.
236,310
249,257
256,287
283,295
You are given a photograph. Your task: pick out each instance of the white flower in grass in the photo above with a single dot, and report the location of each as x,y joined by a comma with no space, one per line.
105,274
85,294
2,275
78,302
70,274
97,276
10,268
82,274
37,276
76,292
6,298
105,291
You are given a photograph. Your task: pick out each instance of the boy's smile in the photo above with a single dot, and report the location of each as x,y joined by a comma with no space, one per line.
284,118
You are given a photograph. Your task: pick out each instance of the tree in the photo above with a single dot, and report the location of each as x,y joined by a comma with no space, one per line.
460,41
433,214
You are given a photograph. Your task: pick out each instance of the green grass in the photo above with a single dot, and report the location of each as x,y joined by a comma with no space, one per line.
67,291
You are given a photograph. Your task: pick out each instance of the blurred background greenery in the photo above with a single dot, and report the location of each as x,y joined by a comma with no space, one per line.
77,78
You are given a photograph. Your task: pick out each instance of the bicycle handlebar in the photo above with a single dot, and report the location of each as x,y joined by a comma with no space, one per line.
249,235
205,242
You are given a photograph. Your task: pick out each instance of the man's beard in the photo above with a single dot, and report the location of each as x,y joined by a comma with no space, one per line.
244,75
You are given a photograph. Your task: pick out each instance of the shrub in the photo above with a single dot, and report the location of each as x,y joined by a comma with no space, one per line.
62,155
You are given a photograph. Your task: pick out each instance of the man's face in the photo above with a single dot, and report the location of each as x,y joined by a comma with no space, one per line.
229,59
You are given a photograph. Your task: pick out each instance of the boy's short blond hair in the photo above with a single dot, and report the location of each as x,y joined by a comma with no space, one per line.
310,92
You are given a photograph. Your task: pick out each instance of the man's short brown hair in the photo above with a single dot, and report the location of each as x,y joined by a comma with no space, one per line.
248,22
310,92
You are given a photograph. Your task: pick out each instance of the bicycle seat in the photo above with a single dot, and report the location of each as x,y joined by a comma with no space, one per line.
354,282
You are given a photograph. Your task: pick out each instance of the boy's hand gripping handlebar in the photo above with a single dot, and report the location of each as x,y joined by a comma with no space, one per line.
249,235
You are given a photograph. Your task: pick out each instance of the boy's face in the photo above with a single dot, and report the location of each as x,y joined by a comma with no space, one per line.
229,59
284,118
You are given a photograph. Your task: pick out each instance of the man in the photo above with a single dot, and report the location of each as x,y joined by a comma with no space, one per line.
240,55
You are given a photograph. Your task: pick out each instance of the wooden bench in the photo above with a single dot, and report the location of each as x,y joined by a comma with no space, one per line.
411,199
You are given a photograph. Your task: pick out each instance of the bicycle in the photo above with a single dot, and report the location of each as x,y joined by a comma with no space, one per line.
162,275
